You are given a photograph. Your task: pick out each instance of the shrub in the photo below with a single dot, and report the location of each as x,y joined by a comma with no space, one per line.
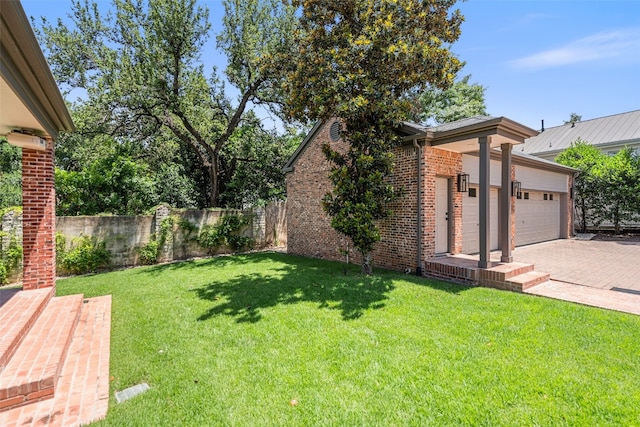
149,252
3,273
87,255
10,258
225,232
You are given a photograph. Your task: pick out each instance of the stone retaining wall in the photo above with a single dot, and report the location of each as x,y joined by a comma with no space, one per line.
124,235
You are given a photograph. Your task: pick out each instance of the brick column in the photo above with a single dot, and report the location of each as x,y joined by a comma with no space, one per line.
39,218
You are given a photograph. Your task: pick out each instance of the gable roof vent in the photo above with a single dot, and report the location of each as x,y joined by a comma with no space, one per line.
334,131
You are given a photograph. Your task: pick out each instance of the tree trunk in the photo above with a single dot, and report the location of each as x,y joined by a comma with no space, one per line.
214,193
367,268
583,220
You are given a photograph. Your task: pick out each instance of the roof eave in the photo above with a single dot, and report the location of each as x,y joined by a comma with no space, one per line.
25,69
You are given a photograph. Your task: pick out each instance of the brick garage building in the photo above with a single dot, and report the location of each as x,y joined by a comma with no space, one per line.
453,200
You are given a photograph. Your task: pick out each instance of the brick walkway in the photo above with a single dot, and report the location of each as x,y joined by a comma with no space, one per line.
597,264
586,271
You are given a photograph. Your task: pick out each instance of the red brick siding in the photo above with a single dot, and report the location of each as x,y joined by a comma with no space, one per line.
38,201
446,164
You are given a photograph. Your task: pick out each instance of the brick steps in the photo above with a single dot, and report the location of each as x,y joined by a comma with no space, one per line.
33,371
512,276
18,312
59,373
528,280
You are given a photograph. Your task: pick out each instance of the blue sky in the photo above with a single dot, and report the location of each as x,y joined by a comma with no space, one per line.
537,59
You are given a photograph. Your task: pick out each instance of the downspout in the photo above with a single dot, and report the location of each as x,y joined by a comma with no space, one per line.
419,210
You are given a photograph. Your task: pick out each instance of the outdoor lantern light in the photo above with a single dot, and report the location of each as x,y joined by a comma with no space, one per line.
571,192
463,182
26,141
516,188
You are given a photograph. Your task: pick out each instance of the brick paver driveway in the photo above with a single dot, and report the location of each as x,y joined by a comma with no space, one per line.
598,264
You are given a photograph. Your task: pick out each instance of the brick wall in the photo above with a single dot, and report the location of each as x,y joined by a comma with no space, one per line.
446,164
38,215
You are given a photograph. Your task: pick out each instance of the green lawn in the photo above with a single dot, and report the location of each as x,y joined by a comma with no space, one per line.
232,340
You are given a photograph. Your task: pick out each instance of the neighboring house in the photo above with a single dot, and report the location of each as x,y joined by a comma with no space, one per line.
609,134
457,182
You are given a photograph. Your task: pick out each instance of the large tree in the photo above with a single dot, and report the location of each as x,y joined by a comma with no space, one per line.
141,68
359,60
460,101
587,188
606,188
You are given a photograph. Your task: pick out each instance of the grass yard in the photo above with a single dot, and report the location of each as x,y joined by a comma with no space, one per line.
233,340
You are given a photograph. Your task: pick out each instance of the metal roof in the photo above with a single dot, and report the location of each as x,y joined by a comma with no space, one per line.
620,128
460,123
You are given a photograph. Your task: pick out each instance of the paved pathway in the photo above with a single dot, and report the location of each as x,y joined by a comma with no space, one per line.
597,264
603,298
596,273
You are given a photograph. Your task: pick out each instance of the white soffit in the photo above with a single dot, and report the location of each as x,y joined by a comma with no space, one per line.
13,113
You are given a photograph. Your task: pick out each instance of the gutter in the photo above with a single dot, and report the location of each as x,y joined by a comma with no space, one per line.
419,209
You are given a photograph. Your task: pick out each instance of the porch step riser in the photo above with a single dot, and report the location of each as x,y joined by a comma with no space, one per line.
17,316
504,272
34,369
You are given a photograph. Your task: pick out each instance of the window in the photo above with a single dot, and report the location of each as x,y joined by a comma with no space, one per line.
526,195
550,196
545,196
472,192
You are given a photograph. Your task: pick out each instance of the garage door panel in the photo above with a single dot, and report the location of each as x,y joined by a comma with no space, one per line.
537,219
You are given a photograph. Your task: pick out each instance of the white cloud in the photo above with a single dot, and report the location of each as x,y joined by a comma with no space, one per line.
623,44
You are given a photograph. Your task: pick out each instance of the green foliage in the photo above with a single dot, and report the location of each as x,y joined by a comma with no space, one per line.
149,253
140,66
460,101
10,174
3,274
114,184
360,60
607,188
10,257
225,232
86,255
255,171
619,177
573,118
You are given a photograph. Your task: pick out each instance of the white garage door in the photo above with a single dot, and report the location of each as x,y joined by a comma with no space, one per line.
537,217
471,221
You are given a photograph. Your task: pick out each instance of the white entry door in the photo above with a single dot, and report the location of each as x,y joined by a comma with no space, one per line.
471,221
442,215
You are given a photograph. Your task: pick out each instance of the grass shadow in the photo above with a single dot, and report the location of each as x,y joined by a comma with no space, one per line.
294,280
221,260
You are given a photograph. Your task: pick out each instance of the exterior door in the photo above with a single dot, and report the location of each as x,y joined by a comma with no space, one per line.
442,215
471,221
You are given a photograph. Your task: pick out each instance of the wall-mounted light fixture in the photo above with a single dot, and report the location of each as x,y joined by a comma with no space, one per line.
516,188
24,140
463,182
571,190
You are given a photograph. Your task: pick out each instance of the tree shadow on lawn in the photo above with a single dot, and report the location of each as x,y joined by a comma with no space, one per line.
298,279
190,264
